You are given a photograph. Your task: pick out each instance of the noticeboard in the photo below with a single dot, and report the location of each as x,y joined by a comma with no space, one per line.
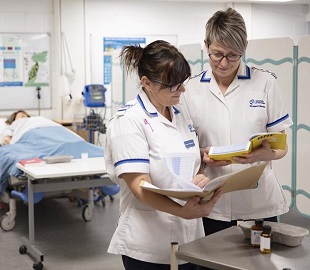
24,71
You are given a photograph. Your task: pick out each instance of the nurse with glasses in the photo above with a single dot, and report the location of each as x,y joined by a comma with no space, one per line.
142,138
173,87
227,104
218,57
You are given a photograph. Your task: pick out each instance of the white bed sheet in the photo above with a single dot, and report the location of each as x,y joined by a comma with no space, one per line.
3,126
21,126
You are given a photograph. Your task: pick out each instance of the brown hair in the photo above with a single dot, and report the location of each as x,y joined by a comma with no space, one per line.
13,117
227,29
159,60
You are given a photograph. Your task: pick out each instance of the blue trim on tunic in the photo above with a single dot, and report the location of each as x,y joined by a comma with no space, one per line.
143,107
175,110
134,160
277,121
246,76
240,77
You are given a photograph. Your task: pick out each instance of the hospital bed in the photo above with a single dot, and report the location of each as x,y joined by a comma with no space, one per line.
40,137
90,173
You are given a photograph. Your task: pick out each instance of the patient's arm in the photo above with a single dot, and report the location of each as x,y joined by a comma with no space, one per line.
7,135
6,140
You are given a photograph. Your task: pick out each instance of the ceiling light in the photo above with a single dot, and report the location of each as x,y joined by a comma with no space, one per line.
271,1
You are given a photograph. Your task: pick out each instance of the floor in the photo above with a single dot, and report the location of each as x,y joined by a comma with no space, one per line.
65,239
68,242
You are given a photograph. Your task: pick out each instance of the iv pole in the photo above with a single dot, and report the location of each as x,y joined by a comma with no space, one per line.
39,99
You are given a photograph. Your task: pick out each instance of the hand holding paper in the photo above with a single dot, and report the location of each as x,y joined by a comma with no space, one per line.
245,179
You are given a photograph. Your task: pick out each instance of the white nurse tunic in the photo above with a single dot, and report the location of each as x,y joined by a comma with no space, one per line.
253,103
138,139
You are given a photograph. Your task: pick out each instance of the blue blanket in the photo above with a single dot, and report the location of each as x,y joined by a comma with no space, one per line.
41,142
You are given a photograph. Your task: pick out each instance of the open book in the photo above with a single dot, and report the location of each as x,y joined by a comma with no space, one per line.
245,179
276,140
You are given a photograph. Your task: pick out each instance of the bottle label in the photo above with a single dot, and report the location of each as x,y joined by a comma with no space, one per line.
255,237
264,243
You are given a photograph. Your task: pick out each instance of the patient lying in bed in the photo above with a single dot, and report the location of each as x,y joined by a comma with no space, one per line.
6,133
39,137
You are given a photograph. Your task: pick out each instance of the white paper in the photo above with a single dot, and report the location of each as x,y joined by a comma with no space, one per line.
181,164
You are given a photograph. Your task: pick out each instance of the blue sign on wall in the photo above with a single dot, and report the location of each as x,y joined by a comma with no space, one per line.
113,43
107,69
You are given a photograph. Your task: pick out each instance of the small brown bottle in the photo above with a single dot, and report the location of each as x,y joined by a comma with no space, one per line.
256,231
265,240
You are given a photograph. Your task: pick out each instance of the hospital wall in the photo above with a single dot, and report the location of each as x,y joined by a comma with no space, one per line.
85,23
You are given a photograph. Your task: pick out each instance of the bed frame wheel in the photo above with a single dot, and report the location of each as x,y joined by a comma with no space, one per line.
87,213
22,249
6,222
38,266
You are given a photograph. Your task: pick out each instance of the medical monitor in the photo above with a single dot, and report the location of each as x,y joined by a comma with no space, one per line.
94,95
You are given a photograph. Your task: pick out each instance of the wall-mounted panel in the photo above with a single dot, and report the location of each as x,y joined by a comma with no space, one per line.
303,127
24,71
276,55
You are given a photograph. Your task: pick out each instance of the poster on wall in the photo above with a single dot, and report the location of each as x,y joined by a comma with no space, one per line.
113,43
21,65
24,71
36,68
11,69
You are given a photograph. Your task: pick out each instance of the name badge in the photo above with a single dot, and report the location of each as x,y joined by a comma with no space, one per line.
189,143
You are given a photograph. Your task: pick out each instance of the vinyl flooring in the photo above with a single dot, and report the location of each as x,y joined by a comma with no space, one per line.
61,234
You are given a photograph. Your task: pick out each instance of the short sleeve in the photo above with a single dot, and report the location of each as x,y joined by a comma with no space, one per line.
278,116
127,150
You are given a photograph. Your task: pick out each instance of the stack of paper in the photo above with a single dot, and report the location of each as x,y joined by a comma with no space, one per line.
245,179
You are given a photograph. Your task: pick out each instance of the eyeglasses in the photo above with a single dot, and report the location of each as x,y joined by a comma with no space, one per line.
173,87
219,57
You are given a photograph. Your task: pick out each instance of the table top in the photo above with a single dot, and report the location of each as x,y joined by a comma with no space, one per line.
229,249
64,122
89,166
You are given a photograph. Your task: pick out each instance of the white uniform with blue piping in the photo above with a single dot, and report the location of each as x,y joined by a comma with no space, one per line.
138,139
252,103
